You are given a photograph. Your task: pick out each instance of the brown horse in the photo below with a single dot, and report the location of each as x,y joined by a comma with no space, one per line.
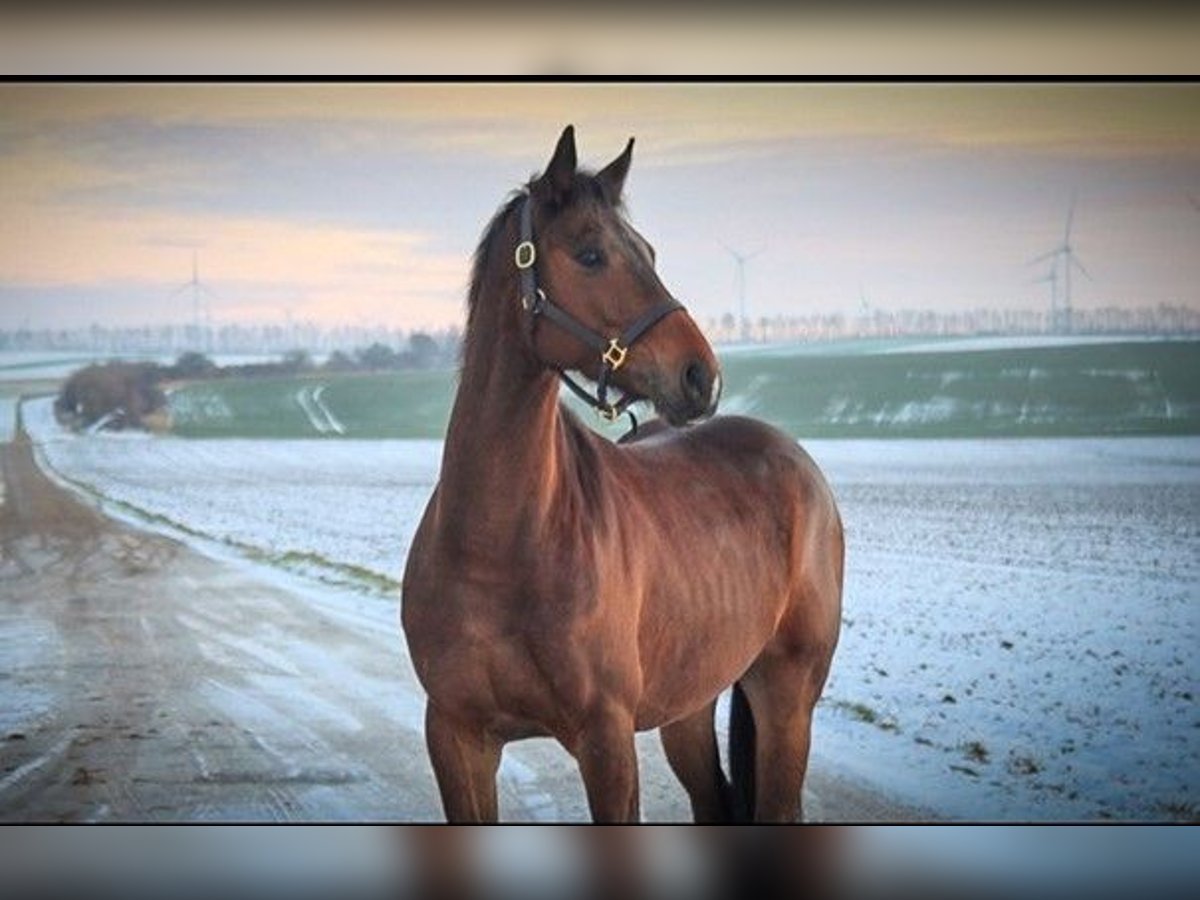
563,585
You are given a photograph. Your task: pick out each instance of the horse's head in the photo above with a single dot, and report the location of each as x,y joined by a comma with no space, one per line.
594,267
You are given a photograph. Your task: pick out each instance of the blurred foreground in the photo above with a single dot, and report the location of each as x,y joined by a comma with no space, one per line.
533,862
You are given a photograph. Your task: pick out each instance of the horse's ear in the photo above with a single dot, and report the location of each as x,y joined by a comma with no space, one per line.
613,175
559,176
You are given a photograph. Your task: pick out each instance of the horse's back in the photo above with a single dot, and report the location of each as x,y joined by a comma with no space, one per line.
739,433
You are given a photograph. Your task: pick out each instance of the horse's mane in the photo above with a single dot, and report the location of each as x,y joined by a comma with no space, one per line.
491,235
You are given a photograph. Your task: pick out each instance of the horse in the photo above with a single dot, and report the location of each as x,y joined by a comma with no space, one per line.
564,585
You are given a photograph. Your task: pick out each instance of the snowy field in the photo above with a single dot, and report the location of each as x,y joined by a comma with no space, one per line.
866,346
1021,616
20,365
8,418
1015,342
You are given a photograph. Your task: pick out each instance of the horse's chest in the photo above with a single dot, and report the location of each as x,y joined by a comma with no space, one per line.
515,656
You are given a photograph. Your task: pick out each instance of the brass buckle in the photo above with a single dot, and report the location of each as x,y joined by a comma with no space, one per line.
525,254
614,355
608,413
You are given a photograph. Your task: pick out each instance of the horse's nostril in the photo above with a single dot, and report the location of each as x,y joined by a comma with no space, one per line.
697,382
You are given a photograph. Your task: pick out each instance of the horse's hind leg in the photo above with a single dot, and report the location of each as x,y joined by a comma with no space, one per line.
783,685
691,748
465,761
782,692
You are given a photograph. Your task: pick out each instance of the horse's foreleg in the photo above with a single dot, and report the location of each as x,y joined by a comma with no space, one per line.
608,762
691,748
465,761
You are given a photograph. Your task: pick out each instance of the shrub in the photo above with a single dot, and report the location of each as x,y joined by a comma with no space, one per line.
124,393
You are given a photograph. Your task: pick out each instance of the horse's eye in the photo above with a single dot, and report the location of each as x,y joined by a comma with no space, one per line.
590,258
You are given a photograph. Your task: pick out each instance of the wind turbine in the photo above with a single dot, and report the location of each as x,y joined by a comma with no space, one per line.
197,288
1052,277
865,325
1064,253
742,259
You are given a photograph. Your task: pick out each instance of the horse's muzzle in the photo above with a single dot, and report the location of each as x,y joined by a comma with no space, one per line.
699,393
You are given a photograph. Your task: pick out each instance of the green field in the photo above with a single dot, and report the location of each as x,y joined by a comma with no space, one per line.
389,405
1093,389
825,391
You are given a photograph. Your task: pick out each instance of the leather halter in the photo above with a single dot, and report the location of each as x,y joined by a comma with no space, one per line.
612,350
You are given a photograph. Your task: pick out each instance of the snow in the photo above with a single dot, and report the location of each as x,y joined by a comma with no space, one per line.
1020,625
351,503
8,418
319,416
1017,342
886,345
16,365
1021,615
21,365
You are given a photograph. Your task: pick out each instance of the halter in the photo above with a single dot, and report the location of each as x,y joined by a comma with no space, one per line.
612,350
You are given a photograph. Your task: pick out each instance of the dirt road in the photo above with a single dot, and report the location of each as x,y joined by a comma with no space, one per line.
143,681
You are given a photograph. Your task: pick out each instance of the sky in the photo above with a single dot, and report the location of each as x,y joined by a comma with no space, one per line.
360,204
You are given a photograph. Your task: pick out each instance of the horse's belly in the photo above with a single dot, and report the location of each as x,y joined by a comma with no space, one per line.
662,707
688,659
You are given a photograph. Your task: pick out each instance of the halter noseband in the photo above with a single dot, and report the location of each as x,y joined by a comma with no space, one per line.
612,350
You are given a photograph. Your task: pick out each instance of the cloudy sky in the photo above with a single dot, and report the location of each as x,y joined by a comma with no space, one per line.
361,203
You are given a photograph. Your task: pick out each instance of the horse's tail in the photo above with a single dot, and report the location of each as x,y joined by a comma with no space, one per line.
741,755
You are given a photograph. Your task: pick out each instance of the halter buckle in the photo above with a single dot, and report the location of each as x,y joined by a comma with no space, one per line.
525,254
614,354
533,303
608,413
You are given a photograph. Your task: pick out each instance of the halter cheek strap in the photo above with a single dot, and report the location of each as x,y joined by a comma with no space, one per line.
612,350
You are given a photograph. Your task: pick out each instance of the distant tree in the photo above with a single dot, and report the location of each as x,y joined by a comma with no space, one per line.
423,349
377,356
124,393
340,361
193,365
451,342
295,361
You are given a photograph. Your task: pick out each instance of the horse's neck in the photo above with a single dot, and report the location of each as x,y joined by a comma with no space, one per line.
502,461
504,422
